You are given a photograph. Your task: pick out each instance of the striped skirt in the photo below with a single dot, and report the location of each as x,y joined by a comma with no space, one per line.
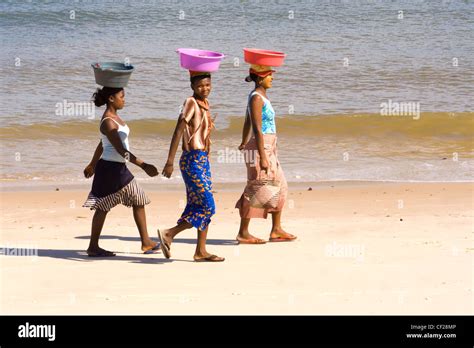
113,184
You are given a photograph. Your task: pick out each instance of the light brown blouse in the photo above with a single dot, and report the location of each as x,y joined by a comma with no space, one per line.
199,124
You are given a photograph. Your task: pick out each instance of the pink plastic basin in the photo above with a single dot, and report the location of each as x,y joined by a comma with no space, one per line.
263,57
199,60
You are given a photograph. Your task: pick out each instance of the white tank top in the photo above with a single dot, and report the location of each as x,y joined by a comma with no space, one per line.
109,153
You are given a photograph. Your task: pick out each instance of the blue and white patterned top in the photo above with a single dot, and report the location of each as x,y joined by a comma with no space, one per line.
268,115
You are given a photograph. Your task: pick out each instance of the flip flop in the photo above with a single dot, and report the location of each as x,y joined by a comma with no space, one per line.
210,258
282,239
164,248
102,254
153,250
250,241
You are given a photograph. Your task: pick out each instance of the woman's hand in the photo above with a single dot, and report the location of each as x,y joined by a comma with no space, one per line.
168,170
241,147
89,171
264,164
150,169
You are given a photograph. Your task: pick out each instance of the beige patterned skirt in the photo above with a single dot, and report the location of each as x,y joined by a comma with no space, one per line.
265,192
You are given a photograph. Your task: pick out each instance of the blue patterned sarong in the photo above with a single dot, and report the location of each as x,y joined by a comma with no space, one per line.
196,174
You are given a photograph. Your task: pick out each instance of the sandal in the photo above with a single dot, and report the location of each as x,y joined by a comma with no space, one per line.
164,247
153,250
290,238
210,258
253,240
102,254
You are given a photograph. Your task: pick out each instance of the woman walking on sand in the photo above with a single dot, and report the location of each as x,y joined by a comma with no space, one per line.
194,128
113,183
266,189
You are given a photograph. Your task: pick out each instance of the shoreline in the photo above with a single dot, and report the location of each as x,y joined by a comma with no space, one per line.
223,186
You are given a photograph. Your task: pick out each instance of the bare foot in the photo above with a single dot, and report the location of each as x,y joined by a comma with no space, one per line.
99,252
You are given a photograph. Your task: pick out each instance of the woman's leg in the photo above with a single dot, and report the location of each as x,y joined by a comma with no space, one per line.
169,234
140,220
201,253
97,225
244,236
277,231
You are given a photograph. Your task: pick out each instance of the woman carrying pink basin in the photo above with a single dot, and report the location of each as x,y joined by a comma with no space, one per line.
266,188
194,130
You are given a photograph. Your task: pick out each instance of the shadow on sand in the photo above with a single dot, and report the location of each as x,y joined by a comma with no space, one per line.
176,240
81,256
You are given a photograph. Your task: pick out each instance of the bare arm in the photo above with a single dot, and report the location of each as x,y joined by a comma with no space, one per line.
245,131
256,104
184,117
110,130
90,168
97,153
177,135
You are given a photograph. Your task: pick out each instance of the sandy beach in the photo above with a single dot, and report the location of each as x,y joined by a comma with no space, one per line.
363,248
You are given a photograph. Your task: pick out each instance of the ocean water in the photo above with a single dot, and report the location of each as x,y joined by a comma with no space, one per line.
345,60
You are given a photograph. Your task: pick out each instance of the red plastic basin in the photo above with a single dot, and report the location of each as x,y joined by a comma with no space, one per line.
263,57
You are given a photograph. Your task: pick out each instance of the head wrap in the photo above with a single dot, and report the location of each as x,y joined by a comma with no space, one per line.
260,70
